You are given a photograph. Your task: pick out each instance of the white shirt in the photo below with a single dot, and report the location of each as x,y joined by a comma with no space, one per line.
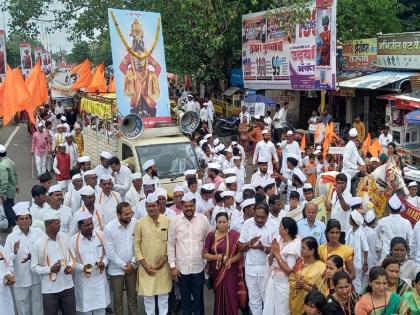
392,226
192,106
133,196
277,220
385,140
107,205
154,178
92,292
267,122
351,159
259,179
185,243
240,176
337,211
119,249
267,150
205,114
415,201
46,253
375,246
72,199
280,119
415,244
202,206
237,223
140,210
122,180
358,241
269,232
231,211
100,170
73,151
36,211
287,150
66,215
24,277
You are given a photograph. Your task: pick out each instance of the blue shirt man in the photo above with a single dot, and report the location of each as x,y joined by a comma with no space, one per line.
310,226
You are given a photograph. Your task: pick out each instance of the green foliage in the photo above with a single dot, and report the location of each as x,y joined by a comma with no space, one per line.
80,52
202,37
363,19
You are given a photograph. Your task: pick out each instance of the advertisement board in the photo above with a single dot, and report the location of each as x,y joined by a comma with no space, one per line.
280,54
3,59
360,55
25,58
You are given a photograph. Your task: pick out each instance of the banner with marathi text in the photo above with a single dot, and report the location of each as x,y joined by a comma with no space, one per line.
139,65
3,59
25,58
277,54
411,213
360,55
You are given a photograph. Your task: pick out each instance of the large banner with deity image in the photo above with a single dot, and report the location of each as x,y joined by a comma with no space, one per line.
139,65
278,53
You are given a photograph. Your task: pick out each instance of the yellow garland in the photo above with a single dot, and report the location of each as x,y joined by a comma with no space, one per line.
129,49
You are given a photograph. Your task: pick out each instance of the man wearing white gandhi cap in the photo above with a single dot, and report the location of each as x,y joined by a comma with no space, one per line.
88,198
135,193
393,225
55,203
19,245
52,260
103,166
91,283
149,167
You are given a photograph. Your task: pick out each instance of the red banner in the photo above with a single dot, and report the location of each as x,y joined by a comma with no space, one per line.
411,212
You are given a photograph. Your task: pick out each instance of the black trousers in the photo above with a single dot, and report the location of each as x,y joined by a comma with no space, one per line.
65,301
192,285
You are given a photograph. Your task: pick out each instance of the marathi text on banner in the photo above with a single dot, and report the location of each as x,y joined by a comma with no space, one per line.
25,58
3,60
400,50
139,65
277,54
360,55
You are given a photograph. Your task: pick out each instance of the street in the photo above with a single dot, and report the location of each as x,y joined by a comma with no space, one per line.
19,150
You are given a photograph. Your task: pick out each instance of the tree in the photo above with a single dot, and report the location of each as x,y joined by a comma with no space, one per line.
362,19
409,15
80,52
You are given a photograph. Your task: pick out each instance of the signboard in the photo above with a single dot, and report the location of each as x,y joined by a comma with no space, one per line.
359,55
3,60
277,54
399,50
25,57
38,55
139,65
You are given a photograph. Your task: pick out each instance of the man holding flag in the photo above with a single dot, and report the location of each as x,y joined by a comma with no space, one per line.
352,161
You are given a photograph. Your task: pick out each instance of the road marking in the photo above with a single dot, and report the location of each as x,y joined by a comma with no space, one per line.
11,136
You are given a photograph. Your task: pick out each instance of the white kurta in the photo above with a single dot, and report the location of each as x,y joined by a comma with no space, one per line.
415,201
133,196
66,214
392,226
107,205
72,199
100,170
6,299
351,159
92,292
122,180
97,218
267,150
73,151
288,149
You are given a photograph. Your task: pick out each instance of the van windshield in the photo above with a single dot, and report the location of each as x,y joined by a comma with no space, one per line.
172,159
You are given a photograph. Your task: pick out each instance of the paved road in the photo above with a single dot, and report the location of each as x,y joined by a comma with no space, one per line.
19,149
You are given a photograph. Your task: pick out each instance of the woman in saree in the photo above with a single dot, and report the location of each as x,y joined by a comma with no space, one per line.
334,247
281,261
412,298
343,300
221,252
378,300
408,267
395,283
324,284
308,269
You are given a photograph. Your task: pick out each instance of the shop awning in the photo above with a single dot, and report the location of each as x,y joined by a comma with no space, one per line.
231,90
407,101
376,80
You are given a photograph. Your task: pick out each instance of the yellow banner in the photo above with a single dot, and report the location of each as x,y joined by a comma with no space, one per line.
322,214
101,110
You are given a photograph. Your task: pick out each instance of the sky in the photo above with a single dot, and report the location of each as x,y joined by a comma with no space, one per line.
57,39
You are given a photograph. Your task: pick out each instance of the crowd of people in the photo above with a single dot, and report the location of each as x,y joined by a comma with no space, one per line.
102,230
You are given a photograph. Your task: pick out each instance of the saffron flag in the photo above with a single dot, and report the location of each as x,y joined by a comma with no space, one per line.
375,148
366,145
98,83
85,76
111,85
303,143
37,87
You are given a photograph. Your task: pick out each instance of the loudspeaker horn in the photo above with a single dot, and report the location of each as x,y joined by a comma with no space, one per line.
132,126
190,121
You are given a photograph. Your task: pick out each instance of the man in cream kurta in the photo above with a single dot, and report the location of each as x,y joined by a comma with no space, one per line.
150,239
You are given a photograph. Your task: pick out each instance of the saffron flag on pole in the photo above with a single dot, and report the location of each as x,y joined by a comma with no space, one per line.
98,83
85,76
375,148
